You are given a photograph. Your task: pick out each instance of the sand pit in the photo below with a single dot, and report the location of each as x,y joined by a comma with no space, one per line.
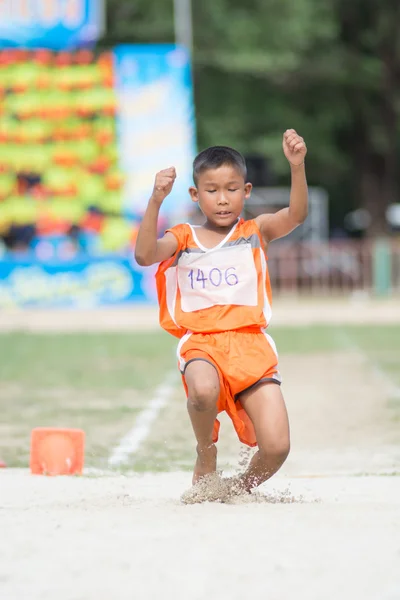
129,537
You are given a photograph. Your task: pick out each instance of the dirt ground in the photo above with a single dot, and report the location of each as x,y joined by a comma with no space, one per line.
326,527
286,311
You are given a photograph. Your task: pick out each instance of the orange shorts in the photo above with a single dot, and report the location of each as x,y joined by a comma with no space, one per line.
243,359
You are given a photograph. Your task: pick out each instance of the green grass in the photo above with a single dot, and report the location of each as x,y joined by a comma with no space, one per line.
381,344
100,382
85,361
321,338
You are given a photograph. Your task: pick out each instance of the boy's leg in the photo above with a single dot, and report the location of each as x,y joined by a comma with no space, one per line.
203,391
266,408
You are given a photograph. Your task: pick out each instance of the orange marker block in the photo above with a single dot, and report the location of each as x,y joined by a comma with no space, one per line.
57,451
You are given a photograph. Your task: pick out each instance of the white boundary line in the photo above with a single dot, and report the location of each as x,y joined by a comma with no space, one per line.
132,441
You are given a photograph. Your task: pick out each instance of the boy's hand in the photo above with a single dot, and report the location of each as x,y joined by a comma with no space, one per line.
163,184
294,147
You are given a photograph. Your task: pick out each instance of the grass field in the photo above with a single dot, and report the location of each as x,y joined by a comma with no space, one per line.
101,382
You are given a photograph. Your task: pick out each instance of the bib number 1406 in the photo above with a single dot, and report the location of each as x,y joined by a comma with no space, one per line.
216,277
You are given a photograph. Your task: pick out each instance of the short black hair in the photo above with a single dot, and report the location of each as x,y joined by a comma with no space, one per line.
217,156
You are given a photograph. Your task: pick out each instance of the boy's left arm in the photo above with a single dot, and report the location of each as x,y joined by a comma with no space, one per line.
281,223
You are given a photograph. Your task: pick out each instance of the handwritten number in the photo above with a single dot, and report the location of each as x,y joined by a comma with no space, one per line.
191,279
218,281
200,277
215,277
231,278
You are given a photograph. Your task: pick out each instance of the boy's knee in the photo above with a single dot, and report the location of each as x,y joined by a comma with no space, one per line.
279,450
203,395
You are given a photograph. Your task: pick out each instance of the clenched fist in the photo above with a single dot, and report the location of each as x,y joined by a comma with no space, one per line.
294,147
163,184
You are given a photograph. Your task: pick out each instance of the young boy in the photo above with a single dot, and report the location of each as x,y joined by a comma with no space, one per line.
214,294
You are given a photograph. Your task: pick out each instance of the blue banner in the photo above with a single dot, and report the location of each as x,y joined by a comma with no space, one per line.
55,24
79,284
156,123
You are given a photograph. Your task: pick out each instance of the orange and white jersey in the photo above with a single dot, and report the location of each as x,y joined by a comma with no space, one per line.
223,288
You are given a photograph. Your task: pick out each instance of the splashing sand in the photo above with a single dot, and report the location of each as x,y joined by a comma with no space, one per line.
228,490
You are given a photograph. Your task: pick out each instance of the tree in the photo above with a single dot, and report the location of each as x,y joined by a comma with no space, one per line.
139,21
368,34
329,69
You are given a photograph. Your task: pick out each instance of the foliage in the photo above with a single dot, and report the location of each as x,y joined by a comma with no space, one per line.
329,69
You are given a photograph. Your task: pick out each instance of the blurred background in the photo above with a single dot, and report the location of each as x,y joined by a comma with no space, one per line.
97,95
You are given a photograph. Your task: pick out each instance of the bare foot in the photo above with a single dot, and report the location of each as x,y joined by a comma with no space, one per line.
245,485
237,486
206,462
214,488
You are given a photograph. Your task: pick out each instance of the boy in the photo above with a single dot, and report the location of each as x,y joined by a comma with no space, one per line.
215,295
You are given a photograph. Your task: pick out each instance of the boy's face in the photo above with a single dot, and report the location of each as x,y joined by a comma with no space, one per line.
221,194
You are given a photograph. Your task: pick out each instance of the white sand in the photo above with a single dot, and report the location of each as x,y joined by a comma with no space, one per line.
129,538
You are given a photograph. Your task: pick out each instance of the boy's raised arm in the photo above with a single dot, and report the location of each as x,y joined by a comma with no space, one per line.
273,226
149,249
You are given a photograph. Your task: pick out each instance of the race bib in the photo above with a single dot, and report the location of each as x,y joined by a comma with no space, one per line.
218,277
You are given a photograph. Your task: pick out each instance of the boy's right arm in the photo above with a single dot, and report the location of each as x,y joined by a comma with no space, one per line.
149,249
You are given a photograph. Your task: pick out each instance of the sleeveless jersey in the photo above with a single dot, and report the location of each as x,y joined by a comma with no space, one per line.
209,290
